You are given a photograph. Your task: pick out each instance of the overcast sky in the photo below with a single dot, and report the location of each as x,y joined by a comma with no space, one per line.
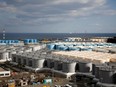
58,16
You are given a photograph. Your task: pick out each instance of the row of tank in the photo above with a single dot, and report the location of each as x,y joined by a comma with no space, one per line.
64,66
25,41
78,46
28,41
9,41
104,72
7,51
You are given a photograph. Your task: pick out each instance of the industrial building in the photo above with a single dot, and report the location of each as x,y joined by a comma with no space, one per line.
86,39
4,73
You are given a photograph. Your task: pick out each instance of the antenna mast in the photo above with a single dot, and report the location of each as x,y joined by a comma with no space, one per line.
4,35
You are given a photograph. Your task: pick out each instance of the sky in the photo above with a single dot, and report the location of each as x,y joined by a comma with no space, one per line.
58,16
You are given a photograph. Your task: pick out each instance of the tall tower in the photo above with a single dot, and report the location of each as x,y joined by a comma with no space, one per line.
4,35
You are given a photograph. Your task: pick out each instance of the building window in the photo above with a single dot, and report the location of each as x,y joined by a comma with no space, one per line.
7,74
1,74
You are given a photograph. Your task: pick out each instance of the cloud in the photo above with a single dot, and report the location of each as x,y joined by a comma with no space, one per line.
39,11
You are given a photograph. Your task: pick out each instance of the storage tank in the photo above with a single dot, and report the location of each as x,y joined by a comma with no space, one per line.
38,63
69,67
48,63
63,48
57,65
30,63
16,41
74,48
11,52
26,41
51,46
64,67
85,67
12,41
5,55
24,61
2,41
106,75
96,72
35,40
57,46
9,41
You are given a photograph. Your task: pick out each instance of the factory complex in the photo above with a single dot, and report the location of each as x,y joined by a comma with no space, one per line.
96,60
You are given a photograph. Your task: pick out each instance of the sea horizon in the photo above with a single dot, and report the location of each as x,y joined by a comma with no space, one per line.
53,35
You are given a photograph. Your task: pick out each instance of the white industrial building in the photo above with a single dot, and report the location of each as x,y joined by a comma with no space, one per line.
4,73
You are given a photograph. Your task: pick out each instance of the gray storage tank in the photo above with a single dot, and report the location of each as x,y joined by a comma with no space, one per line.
58,65
38,63
69,67
106,75
48,63
85,67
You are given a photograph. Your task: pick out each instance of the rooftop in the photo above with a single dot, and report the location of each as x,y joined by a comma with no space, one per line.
88,56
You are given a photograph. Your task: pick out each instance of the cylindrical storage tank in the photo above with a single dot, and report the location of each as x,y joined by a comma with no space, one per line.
56,65
85,67
52,64
64,67
14,58
93,69
26,41
10,53
50,46
35,40
2,41
9,41
16,41
24,61
27,61
19,51
64,48
69,67
38,63
48,63
57,46
12,41
17,56
96,70
31,41
106,76
5,55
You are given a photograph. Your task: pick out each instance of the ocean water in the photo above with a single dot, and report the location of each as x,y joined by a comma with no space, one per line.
53,35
